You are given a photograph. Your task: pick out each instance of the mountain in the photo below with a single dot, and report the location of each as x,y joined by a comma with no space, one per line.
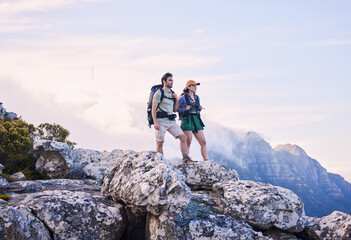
287,166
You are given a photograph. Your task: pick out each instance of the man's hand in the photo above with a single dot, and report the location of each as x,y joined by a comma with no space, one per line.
157,125
187,107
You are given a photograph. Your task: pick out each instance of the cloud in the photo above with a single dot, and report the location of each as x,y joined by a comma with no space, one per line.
10,7
59,70
335,42
261,117
180,61
20,24
11,11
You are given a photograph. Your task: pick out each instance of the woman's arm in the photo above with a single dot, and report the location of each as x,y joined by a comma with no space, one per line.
182,104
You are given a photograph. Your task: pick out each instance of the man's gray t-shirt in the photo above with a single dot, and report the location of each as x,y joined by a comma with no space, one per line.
166,105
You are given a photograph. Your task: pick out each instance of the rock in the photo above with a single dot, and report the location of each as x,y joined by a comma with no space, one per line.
81,158
19,223
146,182
85,185
76,215
211,227
263,205
99,169
17,177
2,110
3,202
202,220
334,226
277,234
53,158
202,175
4,113
3,182
11,115
1,168
94,164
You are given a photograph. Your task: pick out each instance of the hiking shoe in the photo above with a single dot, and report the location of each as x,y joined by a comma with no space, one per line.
187,160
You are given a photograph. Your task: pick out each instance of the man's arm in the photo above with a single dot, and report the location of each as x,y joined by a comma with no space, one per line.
153,113
176,102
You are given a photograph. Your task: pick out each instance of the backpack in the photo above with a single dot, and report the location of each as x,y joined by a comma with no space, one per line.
187,99
149,103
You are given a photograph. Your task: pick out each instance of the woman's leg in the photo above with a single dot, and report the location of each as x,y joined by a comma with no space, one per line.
200,137
189,135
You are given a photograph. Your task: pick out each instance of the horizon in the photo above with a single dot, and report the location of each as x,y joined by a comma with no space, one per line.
281,69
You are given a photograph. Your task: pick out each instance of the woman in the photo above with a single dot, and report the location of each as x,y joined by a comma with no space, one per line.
189,112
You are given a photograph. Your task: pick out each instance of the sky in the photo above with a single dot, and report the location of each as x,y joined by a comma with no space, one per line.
279,68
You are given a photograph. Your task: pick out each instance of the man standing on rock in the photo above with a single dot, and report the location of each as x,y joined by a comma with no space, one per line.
164,104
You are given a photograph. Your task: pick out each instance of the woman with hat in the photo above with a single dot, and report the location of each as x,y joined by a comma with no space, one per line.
189,112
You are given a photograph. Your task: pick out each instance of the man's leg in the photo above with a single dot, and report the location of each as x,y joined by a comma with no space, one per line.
159,147
183,144
160,138
177,132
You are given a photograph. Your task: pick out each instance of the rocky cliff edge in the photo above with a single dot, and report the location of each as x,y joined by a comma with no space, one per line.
144,196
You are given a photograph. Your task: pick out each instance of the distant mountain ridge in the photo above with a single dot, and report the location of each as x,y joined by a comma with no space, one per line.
287,166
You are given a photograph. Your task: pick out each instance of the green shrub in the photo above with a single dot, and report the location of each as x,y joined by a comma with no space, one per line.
53,132
5,197
16,137
15,143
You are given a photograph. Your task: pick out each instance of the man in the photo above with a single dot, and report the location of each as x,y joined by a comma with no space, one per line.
164,117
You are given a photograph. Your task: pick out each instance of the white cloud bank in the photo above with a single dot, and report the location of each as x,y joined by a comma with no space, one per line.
10,7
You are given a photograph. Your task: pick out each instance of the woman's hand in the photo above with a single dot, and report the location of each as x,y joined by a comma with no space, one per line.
200,108
187,107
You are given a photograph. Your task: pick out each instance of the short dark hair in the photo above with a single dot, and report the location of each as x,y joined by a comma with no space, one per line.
164,78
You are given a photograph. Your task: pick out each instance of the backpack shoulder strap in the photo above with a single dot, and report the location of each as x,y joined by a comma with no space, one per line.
162,94
197,99
187,98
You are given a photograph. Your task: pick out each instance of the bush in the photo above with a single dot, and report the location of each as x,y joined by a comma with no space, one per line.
16,138
15,143
5,197
54,132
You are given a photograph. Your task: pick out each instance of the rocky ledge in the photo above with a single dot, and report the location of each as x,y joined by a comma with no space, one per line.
144,196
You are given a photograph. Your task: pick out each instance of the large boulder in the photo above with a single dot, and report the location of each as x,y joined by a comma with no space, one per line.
146,182
69,209
3,182
20,223
202,175
94,164
82,157
4,113
86,185
100,167
202,219
76,215
19,176
263,205
53,158
334,226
